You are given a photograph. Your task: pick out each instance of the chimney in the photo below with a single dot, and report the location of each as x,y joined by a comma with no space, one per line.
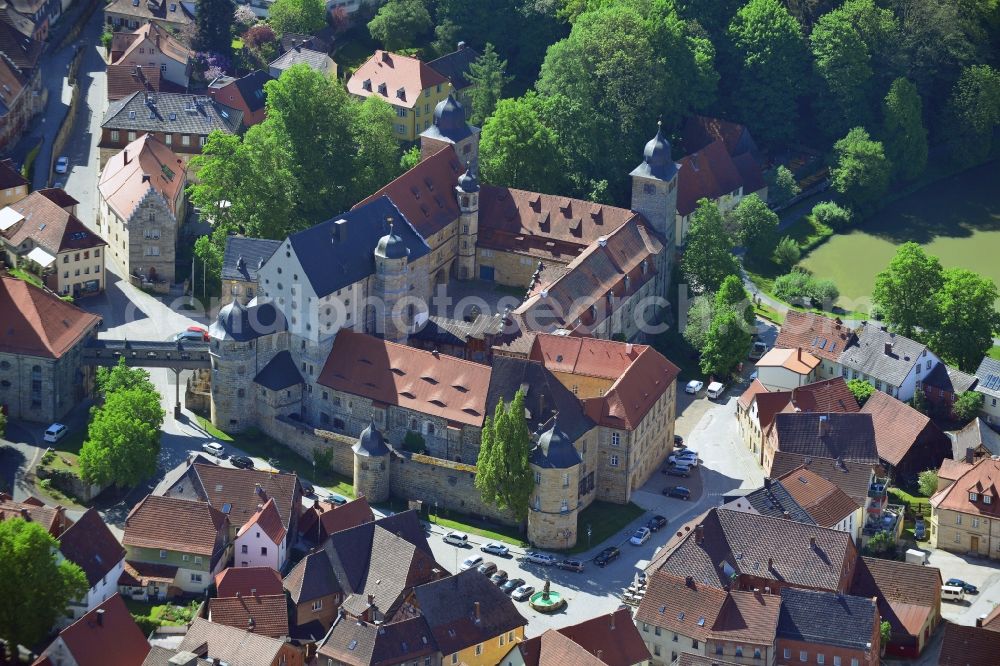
689,581
699,534
24,512
888,349
812,542
599,653
259,489
824,425
461,45
767,482
874,602
238,594
612,622
979,620
786,515
475,610
100,617
770,564
125,155
371,599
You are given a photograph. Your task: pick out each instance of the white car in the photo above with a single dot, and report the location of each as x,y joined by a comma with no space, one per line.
540,558
640,537
694,386
62,164
471,562
683,461
214,448
55,432
456,539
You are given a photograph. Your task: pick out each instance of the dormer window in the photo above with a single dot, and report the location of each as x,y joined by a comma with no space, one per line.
367,85
973,497
383,89
987,499
401,93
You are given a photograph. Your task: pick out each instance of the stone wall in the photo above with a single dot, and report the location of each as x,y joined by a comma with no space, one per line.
305,440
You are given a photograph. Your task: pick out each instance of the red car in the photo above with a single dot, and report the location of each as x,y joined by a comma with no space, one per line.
193,333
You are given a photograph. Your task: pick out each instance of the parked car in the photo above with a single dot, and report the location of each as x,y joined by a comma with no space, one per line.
522,593
512,584
55,432
243,462
191,336
694,386
656,522
339,500
307,488
678,470
967,587
757,350
487,568
952,593
641,536
678,440
540,558
570,565
496,549
62,164
920,529
214,448
499,578
471,562
607,556
456,539
684,460
715,390
679,492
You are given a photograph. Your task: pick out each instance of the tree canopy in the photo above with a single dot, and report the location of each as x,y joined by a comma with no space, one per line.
298,16
400,24
733,296
904,291
213,22
708,258
123,439
726,344
503,473
861,170
861,389
757,226
121,377
966,320
974,110
516,147
488,77
903,130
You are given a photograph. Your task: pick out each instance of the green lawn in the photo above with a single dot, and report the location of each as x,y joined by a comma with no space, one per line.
769,313
149,616
257,444
479,528
994,352
604,519
956,219
27,276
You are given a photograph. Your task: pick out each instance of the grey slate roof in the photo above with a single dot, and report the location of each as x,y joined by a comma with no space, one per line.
849,436
331,262
866,354
251,88
316,60
455,66
989,377
456,332
175,113
976,433
245,323
949,379
279,373
554,449
252,251
371,442
312,578
773,500
826,618
353,641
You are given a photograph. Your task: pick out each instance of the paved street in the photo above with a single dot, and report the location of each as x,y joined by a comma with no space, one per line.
982,573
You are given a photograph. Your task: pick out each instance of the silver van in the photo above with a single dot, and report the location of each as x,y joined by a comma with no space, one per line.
952,593
456,539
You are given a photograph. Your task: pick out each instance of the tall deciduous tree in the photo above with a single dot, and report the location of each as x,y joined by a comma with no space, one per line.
503,473
726,344
966,318
935,44
120,377
35,587
700,315
708,258
213,21
517,148
974,109
400,24
781,185
768,59
861,170
487,74
733,296
123,440
843,64
299,16
903,130
904,291
757,226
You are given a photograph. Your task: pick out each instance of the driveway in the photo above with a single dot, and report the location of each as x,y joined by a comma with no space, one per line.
983,573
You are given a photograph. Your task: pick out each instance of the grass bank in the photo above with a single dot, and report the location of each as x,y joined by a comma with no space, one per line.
604,520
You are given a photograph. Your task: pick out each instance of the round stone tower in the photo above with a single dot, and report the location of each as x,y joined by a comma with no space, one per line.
467,193
555,464
450,128
371,465
232,356
392,283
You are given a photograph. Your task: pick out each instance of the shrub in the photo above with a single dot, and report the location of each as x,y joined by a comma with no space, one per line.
782,185
823,292
786,252
967,405
323,460
106,38
927,482
861,389
794,286
831,215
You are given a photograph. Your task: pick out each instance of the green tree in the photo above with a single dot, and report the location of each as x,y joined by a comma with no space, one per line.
842,62
516,147
123,440
488,77
885,633
214,22
732,295
782,185
824,293
503,473
904,291
769,59
935,44
861,170
446,37
974,111
700,314
967,405
966,319
208,250
903,130
36,588
757,226
830,214
410,158
401,24
861,389
881,545
794,287
299,16
120,377
787,252
708,256
726,344
927,482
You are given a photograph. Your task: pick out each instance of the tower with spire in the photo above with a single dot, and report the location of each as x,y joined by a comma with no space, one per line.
467,193
654,194
450,128
392,284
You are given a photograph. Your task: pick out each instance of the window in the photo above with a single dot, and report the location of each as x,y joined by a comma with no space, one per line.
987,499
201,140
454,658
958,537
197,559
975,522
163,554
614,461
756,653
694,643
656,650
185,139
317,605
510,636
538,477
263,550
115,136
973,497
739,650
616,439
564,506
958,519
821,658
565,480
803,655
479,649
168,139
131,136
196,578
243,549
502,639
836,660
854,661
648,188
718,648
185,558
788,653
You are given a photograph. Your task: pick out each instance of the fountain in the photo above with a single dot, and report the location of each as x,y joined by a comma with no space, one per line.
547,601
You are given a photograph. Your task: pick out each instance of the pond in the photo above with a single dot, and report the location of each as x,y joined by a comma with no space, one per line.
956,220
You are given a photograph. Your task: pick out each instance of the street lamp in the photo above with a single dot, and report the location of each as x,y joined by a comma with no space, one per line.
589,532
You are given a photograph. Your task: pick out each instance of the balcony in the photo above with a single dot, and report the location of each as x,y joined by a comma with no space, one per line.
877,490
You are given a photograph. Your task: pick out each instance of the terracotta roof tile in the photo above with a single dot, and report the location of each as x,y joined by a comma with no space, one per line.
334,518
798,361
818,335
690,608
907,593
53,519
968,646
992,620
553,648
953,469
899,427
236,647
10,177
396,72
124,45
266,615
263,581
755,389
708,173
91,545
747,617
851,477
630,398
983,479
181,525
699,131
590,357
614,634
109,624
48,225
394,374
124,183
267,519
849,436
123,80
823,501
828,395
151,10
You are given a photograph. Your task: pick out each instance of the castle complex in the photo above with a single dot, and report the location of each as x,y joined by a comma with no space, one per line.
319,359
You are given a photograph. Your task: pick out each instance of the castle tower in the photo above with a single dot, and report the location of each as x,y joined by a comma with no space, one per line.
654,195
450,129
467,192
232,407
392,284
555,501
371,465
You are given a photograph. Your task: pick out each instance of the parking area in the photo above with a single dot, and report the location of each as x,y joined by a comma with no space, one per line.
982,573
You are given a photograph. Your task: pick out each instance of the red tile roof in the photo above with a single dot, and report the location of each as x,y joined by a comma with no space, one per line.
58,196
898,427
91,545
627,402
166,523
983,479
968,646
614,635
53,519
267,519
827,396
907,593
555,649
50,226
333,518
266,615
123,80
824,502
106,636
141,574
124,45
992,620
706,174
818,335
10,177
144,166
589,357
953,469
37,323
397,73
248,581
425,194
755,389
796,360
394,374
